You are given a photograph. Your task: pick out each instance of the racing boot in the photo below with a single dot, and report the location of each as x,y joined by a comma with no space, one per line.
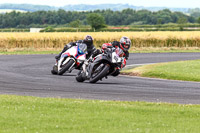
57,57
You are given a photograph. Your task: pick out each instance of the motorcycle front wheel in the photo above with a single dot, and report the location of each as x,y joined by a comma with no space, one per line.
101,74
66,67
79,77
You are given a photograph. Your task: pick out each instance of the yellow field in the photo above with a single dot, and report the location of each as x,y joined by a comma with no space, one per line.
139,39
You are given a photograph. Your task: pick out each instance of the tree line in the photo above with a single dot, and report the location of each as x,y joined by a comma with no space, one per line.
62,17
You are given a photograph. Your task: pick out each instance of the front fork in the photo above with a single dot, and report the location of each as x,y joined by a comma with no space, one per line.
85,69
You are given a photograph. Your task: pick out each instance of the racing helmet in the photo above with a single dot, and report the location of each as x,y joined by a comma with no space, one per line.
88,40
125,43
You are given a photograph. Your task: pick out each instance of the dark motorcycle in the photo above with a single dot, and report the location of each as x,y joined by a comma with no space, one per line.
102,65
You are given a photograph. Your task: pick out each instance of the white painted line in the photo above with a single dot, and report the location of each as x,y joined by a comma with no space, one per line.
135,65
139,64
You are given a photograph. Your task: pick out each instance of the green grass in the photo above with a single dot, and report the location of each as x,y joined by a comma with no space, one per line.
181,70
31,114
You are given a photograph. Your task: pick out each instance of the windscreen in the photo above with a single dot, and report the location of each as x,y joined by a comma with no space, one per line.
82,48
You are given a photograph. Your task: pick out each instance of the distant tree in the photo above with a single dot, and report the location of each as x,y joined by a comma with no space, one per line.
96,21
97,18
181,22
62,16
159,21
164,15
49,29
198,20
144,15
75,24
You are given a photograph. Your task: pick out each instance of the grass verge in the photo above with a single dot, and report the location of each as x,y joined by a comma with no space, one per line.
27,52
17,51
23,51
31,114
181,70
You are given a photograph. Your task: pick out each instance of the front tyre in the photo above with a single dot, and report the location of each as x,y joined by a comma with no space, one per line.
66,67
101,74
79,77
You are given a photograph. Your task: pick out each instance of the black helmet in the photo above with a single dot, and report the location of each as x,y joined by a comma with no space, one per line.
88,40
125,43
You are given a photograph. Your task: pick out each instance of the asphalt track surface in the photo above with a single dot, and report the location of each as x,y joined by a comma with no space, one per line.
30,75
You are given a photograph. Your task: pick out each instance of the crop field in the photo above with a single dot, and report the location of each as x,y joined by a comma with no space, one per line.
54,41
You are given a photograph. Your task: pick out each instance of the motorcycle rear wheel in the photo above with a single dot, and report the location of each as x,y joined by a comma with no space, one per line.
54,71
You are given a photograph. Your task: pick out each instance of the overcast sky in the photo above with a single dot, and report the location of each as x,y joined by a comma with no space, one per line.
146,3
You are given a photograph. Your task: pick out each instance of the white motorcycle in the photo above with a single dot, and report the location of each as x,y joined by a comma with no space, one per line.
71,59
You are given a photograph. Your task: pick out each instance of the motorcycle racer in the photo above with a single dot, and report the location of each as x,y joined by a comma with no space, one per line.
124,44
88,40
